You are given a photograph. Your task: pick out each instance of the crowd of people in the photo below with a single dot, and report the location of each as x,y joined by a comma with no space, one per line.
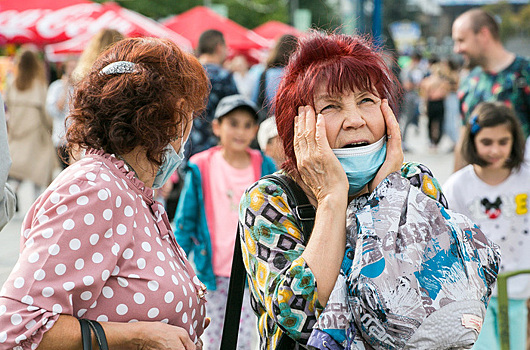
146,160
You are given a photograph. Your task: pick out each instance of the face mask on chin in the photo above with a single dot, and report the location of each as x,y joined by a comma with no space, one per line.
361,163
172,161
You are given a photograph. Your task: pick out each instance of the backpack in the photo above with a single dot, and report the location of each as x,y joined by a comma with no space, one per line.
416,275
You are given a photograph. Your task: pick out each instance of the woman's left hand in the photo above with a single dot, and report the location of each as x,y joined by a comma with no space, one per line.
394,152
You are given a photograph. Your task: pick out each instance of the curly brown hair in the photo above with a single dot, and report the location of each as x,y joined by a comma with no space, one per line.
148,108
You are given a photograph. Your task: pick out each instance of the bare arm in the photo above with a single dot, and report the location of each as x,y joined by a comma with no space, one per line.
66,334
324,178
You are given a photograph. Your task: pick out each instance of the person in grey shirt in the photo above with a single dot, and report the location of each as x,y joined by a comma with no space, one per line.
7,196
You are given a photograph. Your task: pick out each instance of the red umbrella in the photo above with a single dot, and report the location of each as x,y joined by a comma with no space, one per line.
192,23
111,15
273,30
84,20
41,5
19,20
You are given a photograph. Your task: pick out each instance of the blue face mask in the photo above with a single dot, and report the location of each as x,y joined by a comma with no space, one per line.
171,162
361,163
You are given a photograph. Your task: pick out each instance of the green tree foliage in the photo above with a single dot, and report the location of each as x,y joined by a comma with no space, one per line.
156,9
252,13
248,13
513,21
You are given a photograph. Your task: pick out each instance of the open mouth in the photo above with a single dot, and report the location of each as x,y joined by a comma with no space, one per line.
356,144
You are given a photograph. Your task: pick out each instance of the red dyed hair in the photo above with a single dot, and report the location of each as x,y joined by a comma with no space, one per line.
344,63
118,112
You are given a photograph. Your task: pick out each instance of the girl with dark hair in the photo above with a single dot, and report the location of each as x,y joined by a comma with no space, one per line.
493,191
95,245
341,140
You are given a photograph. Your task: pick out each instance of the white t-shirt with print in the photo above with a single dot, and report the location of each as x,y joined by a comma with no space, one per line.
501,212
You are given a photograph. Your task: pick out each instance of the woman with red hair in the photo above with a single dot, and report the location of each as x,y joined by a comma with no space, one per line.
341,140
98,254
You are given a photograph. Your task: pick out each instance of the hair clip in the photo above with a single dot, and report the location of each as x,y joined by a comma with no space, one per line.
119,67
475,127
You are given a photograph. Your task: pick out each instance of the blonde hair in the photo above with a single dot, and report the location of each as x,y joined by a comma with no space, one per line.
99,42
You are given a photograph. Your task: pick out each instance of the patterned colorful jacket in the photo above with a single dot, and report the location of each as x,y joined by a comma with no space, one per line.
283,287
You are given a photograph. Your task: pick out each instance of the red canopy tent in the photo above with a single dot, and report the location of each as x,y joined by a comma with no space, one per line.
272,30
192,23
79,21
111,15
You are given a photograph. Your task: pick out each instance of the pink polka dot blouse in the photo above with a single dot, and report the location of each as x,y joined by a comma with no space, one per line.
96,245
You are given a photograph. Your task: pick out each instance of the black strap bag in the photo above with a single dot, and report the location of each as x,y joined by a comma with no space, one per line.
305,216
89,326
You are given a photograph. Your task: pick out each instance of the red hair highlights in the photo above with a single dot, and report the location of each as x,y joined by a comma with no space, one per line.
344,63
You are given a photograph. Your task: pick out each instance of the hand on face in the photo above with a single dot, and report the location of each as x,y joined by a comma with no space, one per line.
394,152
317,165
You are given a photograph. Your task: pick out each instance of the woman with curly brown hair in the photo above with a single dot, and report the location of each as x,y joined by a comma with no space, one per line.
96,246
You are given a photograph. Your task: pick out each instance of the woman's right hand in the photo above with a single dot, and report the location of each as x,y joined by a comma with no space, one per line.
318,167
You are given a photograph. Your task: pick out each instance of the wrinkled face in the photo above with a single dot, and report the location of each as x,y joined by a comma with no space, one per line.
467,43
494,145
236,130
352,119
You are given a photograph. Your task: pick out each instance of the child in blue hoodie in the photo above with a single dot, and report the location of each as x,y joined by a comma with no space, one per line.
207,213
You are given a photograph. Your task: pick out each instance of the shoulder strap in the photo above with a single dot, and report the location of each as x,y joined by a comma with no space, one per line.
86,335
262,101
304,213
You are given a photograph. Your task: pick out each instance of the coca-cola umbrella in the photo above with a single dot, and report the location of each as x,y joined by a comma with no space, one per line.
81,21
274,29
111,15
25,21
192,23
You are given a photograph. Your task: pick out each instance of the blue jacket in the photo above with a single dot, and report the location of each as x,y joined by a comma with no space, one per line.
191,225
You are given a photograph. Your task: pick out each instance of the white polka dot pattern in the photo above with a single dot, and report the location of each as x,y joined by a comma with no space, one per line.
97,247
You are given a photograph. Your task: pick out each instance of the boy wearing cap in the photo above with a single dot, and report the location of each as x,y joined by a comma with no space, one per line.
207,213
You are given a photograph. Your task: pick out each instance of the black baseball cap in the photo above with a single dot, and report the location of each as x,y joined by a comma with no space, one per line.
232,102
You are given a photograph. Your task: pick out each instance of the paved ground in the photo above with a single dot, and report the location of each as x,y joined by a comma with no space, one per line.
441,163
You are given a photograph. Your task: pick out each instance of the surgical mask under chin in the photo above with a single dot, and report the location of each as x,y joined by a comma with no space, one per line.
172,161
361,163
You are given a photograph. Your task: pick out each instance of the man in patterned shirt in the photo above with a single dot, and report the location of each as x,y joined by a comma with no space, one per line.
212,52
495,73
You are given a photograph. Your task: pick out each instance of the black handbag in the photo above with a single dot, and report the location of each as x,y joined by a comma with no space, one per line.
89,326
304,214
